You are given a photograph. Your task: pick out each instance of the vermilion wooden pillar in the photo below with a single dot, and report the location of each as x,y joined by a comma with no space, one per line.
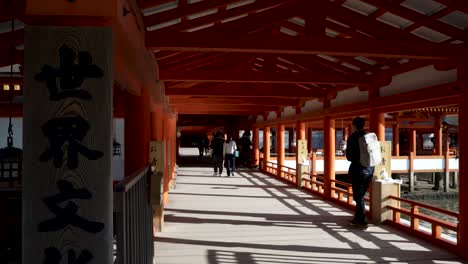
376,118
166,173
280,147
137,132
329,155
157,123
412,139
396,139
266,146
255,143
437,134
377,124
173,142
463,162
300,135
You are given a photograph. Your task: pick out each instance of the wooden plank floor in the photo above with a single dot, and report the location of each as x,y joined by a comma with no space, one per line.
253,218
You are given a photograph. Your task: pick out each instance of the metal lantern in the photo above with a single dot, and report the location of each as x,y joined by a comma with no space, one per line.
11,160
116,148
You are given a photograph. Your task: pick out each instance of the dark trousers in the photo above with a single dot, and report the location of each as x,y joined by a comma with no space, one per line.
218,163
229,163
361,179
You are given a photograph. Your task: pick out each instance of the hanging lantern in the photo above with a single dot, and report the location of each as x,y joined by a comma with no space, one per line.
116,148
11,160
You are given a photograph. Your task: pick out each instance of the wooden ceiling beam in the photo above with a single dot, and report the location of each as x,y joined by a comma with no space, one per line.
301,45
461,5
255,77
237,108
145,4
216,112
368,25
273,101
184,11
220,16
247,91
255,22
420,19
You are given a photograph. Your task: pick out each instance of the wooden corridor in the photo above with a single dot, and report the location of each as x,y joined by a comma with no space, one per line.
253,218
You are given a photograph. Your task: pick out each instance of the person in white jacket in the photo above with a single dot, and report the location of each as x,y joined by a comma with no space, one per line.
228,153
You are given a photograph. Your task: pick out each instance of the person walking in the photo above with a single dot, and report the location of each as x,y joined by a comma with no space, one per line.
361,176
245,144
228,151
217,145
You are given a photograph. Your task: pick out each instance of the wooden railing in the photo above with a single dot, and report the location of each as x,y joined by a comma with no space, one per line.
413,212
343,190
288,174
313,183
271,168
133,220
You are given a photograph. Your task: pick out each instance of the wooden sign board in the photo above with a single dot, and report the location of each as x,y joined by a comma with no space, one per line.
157,160
384,170
67,140
302,152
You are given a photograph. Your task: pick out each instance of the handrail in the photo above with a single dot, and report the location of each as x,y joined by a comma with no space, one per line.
436,223
426,206
133,219
127,183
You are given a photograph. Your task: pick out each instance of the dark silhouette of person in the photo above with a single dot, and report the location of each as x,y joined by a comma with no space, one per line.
245,144
361,176
217,144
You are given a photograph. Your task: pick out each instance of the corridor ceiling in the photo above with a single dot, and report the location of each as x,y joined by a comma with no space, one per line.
250,57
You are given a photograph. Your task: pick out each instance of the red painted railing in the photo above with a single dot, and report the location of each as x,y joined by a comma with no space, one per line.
437,225
439,233
314,183
288,174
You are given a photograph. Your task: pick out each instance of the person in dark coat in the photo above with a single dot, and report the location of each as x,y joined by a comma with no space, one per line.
361,176
217,145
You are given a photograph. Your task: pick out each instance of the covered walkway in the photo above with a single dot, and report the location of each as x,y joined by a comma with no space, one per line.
253,218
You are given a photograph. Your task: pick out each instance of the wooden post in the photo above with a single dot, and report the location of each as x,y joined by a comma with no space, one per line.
396,139
329,155
300,135
157,136
345,133
166,172
446,167
377,124
411,177
255,143
266,146
437,135
412,139
137,132
67,144
279,147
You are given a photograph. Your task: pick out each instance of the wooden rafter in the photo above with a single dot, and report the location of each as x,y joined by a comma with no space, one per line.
274,101
246,90
255,77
